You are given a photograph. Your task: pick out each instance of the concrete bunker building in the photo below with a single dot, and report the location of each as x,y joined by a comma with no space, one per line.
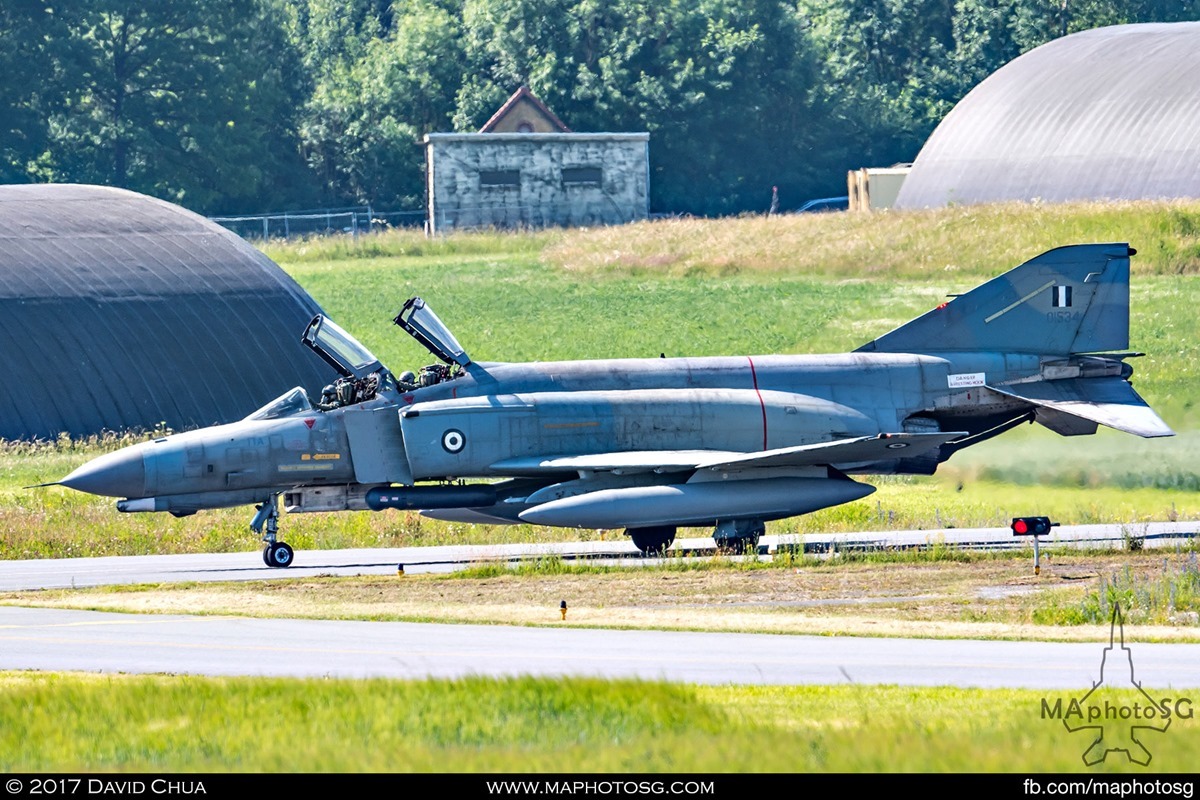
526,168
1104,114
119,311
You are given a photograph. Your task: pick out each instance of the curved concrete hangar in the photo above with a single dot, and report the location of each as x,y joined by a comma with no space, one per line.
1109,113
121,311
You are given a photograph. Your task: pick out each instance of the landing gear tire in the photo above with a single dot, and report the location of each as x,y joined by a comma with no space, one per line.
278,554
746,545
652,541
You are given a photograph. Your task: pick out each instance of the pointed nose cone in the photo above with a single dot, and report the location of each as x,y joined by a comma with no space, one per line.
119,474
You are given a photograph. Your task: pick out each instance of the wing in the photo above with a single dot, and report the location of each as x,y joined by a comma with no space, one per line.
862,449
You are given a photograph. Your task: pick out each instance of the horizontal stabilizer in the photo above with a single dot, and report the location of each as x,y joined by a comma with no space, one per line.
1109,401
884,447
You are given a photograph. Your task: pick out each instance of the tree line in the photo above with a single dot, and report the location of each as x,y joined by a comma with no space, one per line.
229,106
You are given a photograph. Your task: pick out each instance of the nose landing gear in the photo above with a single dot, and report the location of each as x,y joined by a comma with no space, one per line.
266,523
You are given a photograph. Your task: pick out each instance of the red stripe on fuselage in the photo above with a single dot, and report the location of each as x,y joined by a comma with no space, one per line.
761,404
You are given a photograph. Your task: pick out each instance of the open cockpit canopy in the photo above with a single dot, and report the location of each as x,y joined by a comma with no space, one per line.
339,349
422,324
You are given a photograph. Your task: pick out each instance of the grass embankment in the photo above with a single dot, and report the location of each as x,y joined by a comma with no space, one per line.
787,284
72,723
978,241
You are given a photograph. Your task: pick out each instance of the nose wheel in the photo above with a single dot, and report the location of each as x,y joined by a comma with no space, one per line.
277,554
266,523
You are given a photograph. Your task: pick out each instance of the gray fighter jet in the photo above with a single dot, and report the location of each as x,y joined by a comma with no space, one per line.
651,445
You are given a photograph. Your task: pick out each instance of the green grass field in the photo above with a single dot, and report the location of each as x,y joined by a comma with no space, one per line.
188,724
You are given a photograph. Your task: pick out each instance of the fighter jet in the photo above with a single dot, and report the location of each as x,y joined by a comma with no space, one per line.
650,445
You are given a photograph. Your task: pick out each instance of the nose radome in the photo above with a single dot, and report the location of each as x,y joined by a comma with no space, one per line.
119,474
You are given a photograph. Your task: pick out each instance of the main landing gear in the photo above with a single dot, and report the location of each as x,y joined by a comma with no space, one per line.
266,523
733,537
652,541
739,537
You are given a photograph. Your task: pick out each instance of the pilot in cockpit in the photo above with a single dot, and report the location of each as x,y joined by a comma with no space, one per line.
348,391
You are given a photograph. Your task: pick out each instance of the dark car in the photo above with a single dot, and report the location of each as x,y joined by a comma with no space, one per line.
826,204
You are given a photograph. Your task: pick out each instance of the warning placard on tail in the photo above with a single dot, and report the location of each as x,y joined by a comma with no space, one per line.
965,379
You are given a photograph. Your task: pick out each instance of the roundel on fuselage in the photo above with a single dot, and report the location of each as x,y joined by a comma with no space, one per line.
453,441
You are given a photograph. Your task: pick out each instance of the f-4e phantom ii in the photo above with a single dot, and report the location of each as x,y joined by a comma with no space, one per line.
654,444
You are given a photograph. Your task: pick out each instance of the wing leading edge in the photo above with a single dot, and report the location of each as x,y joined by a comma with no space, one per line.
862,449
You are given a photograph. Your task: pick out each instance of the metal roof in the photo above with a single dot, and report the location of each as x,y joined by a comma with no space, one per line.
121,311
1110,113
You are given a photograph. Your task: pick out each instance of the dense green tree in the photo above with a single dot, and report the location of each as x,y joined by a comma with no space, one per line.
241,105
331,34
901,65
1035,22
190,100
724,87
887,60
367,117
27,70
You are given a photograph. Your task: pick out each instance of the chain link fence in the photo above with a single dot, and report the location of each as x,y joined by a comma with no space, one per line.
319,222
365,219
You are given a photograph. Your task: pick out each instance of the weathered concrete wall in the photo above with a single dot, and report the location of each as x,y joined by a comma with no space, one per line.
508,180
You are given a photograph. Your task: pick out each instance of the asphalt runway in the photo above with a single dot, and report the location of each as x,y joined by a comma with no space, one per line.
47,639
618,550
51,639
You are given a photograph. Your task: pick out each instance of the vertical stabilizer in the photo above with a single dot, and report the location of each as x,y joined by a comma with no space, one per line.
1072,299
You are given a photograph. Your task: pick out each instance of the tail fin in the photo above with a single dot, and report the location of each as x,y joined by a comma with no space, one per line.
1072,299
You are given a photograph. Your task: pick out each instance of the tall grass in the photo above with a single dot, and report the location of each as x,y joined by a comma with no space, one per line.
1169,596
407,243
1103,463
950,243
784,558
967,240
